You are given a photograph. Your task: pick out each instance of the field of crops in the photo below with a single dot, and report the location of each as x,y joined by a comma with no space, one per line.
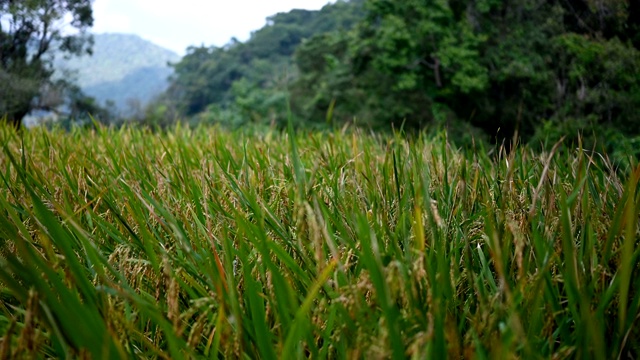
207,244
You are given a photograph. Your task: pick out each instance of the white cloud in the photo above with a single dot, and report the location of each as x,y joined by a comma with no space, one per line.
179,24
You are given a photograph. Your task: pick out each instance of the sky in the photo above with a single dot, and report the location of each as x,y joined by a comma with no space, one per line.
177,25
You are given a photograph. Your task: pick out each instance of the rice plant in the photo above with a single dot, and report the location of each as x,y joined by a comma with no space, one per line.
203,243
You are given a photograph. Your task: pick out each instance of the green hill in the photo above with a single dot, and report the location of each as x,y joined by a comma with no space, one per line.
250,78
123,67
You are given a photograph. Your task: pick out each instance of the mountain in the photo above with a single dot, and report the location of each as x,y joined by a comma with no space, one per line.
122,68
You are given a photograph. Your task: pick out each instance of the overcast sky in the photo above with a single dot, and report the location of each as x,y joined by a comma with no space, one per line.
177,24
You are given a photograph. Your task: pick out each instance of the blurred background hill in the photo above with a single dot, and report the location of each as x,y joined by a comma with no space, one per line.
124,68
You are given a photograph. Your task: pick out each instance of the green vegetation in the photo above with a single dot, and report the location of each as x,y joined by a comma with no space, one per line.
484,69
206,243
542,69
199,241
30,31
249,82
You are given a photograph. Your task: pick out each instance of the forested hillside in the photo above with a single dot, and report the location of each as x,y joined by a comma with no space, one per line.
250,81
542,68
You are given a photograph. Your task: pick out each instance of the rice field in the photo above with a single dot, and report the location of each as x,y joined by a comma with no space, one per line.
204,243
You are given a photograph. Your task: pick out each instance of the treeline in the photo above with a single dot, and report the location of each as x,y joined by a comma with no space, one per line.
251,81
541,68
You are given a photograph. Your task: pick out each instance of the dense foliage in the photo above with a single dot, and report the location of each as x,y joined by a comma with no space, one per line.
30,31
249,81
207,244
542,68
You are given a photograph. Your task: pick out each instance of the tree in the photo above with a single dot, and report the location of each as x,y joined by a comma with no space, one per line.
30,31
399,62
506,67
253,73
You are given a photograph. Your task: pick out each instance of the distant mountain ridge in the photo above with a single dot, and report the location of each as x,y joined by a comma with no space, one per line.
123,67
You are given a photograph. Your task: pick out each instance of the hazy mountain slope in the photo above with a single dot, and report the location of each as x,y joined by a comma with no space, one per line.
122,67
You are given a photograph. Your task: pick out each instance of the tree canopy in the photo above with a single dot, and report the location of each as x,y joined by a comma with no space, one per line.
29,31
500,66
540,68
252,77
